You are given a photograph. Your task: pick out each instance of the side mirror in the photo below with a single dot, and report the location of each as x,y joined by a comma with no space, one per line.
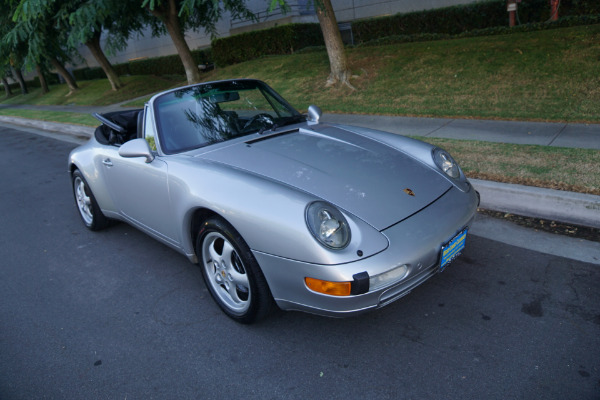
136,148
314,114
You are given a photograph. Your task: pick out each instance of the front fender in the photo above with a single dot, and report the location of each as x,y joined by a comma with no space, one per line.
269,215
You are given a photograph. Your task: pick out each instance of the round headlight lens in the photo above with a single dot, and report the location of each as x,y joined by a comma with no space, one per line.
328,225
446,163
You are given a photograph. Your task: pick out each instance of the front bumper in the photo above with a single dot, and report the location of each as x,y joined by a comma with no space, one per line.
415,242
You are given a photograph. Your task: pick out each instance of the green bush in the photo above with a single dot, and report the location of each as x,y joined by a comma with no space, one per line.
87,74
51,79
282,39
167,65
14,87
157,66
121,69
496,30
457,19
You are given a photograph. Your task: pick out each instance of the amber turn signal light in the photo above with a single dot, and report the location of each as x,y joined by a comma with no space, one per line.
330,288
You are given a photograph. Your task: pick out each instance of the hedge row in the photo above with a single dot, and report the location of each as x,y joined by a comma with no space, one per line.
496,30
51,79
457,19
282,39
166,65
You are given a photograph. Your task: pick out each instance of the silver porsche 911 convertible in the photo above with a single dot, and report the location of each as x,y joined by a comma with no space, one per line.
278,208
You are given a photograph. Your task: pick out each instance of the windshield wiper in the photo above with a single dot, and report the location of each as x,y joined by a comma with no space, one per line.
282,122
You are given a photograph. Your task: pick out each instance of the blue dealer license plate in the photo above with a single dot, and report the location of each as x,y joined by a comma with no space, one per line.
452,249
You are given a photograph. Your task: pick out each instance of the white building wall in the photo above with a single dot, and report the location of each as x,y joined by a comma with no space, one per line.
145,46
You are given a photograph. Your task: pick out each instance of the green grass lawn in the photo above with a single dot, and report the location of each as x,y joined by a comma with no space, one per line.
576,170
551,75
97,92
53,116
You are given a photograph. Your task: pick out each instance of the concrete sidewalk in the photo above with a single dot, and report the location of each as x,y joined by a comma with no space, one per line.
558,134
574,208
584,136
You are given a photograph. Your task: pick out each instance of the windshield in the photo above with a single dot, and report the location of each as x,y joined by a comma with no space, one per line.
200,115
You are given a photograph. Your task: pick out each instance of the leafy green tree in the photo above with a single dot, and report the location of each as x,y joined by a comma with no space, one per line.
7,90
85,20
18,76
81,22
4,72
11,57
36,29
177,16
39,69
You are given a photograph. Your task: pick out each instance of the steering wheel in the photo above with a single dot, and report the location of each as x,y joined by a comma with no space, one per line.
259,117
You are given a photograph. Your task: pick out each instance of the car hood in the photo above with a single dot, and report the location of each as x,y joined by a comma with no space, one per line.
367,178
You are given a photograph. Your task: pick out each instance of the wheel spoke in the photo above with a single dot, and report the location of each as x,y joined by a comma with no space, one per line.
227,252
229,258
214,256
237,278
232,290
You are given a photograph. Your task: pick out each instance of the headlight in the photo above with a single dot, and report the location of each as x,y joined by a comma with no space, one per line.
327,225
446,163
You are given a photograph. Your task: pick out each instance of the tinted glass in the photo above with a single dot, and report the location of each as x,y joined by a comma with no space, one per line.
201,115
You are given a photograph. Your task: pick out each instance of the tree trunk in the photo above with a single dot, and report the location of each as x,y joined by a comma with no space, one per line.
6,87
94,45
65,74
42,78
554,4
168,16
19,77
333,43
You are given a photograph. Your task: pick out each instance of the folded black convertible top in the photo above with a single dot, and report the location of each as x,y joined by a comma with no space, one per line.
120,121
117,127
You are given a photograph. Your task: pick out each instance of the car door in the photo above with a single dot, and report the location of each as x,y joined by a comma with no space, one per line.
140,191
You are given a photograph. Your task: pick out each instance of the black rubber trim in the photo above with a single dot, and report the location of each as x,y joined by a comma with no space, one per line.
260,139
360,284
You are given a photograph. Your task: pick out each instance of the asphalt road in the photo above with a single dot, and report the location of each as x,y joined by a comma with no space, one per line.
116,315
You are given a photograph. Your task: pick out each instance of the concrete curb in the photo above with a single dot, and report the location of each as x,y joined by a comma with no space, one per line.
75,130
555,205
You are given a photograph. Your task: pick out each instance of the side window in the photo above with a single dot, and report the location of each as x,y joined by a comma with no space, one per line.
149,133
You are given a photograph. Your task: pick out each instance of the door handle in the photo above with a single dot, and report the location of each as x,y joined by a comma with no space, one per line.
107,162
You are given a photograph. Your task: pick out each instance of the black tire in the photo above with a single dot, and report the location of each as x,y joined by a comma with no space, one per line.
88,208
231,273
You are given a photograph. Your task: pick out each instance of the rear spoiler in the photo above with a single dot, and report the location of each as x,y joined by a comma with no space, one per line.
109,123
